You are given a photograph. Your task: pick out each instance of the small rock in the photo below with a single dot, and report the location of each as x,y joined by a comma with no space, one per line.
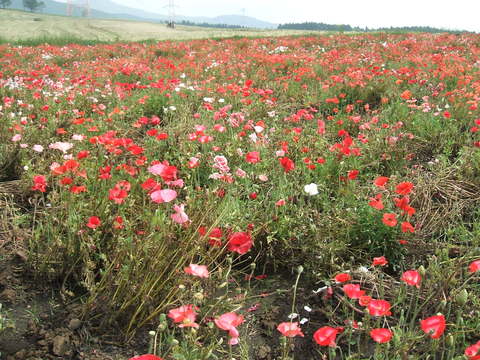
21,254
74,324
22,354
264,351
9,295
60,345
42,343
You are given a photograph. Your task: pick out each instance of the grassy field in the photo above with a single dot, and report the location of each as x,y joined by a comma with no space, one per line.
20,26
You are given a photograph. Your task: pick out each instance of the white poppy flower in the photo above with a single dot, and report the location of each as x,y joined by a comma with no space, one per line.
311,189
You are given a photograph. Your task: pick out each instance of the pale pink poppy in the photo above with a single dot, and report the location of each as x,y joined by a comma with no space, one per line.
180,217
157,169
164,195
177,183
197,270
62,146
37,148
240,173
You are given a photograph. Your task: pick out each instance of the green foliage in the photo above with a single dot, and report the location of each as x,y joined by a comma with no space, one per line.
5,3
33,5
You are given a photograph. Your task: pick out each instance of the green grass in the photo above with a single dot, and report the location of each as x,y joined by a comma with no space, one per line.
30,29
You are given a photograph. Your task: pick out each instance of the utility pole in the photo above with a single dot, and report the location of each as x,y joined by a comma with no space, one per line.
86,8
171,14
244,19
69,8
82,4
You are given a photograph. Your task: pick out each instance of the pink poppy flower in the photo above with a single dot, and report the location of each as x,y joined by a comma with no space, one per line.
185,315
164,195
180,217
229,322
290,329
197,270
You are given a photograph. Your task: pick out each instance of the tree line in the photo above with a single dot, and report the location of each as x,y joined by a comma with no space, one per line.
342,27
32,5
204,24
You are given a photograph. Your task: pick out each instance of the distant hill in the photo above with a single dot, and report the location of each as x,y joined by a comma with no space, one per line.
108,9
343,27
246,21
59,8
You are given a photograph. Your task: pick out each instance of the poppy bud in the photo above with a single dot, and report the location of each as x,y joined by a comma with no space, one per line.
300,269
450,341
462,297
421,270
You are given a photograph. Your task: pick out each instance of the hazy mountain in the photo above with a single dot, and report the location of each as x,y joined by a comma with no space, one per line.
59,8
111,10
241,20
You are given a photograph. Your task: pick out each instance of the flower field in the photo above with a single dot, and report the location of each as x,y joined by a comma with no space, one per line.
310,197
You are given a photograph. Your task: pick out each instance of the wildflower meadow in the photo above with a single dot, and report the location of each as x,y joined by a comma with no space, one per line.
303,197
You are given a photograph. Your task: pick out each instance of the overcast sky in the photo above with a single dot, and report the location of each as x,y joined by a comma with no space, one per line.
450,14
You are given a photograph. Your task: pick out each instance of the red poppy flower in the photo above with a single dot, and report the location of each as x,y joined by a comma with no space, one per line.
215,237
389,219
93,222
433,326
412,277
407,227
379,261
474,266
146,357
288,164
381,181
381,335
353,291
240,242
472,351
364,300
352,174
404,188
290,329
78,189
379,308
252,157
376,202
343,277
407,94
39,183
325,336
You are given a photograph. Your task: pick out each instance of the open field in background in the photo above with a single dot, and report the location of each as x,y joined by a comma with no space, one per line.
19,25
